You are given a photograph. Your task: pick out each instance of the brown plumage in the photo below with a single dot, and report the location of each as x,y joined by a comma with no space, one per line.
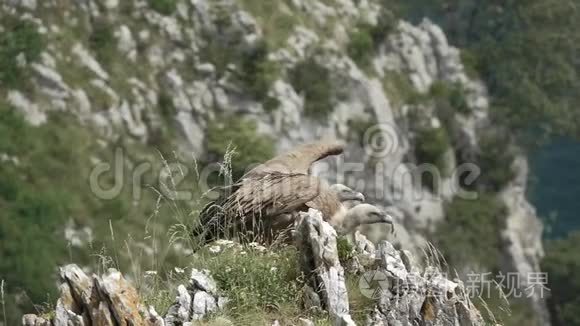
266,199
300,159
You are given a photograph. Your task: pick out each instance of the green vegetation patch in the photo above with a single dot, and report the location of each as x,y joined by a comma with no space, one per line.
450,94
365,37
19,39
40,189
255,73
400,89
257,281
534,91
102,41
361,47
258,73
313,80
471,232
431,147
164,7
562,266
495,160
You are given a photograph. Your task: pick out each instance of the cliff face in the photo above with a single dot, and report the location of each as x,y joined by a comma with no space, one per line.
131,69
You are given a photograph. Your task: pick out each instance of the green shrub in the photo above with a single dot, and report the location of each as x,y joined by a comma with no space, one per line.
562,265
495,160
361,47
458,100
18,38
313,80
102,41
470,63
167,109
449,94
164,7
471,231
257,72
251,148
271,104
345,250
400,89
439,90
431,147
386,22
365,37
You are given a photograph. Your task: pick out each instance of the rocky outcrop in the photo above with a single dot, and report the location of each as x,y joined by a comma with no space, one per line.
522,237
97,300
196,301
406,295
325,286
112,300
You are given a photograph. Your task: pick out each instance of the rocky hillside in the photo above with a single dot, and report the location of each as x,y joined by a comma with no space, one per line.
158,80
405,294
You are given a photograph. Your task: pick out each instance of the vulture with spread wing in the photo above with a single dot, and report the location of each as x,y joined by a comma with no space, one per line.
266,199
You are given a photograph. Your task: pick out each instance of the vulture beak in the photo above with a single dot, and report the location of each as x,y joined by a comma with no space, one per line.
358,196
388,219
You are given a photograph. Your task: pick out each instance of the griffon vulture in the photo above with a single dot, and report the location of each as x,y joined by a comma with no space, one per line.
267,198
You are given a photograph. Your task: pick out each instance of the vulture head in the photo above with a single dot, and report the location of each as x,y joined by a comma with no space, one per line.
363,214
347,196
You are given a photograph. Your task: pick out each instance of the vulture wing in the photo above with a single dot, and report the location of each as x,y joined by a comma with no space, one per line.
300,159
258,201
272,194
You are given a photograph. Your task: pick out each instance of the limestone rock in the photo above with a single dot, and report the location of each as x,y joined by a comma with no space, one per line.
111,300
32,113
316,239
33,320
123,299
202,304
51,81
196,301
407,296
126,43
202,281
87,60
153,318
523,234
180,311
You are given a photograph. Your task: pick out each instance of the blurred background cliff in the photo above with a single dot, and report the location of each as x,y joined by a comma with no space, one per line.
494,83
